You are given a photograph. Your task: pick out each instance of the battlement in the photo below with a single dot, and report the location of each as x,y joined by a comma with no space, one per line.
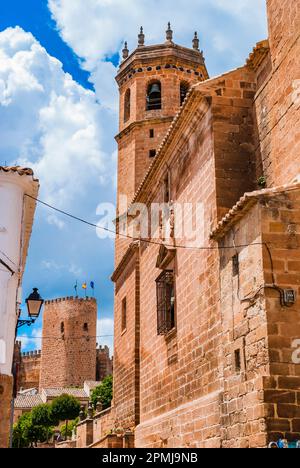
32,354
103,349
69,299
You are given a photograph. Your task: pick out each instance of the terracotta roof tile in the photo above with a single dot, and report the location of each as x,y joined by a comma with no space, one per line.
18,169
28,401
56,392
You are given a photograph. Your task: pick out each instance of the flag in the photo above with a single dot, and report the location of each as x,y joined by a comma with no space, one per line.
92,285
84,286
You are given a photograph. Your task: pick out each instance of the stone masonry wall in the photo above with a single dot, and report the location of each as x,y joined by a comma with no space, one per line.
261,395
30,370
277,102
6,390
104,363
281,230
180,373
244,329
126,378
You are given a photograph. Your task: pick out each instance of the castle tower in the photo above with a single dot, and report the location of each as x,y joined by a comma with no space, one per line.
69,343
153,83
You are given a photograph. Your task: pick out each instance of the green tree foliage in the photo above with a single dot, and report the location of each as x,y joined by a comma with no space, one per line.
103,393
43,416
68,431
37,426
65,408
26,434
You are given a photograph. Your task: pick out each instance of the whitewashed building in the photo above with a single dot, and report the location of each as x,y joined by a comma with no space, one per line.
16,220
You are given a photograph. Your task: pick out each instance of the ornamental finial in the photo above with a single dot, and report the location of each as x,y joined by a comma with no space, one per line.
169,33
125,51
196,42
141,36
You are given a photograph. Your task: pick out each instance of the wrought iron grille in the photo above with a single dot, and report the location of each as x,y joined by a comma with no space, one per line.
165,289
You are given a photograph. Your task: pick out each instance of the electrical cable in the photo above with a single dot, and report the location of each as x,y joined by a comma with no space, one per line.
148,241
60,338
11,261
12,272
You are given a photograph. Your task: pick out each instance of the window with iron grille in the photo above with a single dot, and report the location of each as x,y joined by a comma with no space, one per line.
165,289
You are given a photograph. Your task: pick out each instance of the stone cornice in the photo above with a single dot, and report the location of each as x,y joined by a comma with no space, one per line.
131,251
169,51
140,123
257,56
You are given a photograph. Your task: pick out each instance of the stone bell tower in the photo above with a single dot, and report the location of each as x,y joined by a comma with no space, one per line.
153,83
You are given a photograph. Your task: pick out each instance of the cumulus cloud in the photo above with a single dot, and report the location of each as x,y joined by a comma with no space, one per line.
31,342
49,122
96,29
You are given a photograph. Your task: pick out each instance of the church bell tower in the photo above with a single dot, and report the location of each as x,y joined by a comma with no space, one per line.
153,83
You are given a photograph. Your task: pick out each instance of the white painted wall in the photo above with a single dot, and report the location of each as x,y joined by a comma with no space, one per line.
12,190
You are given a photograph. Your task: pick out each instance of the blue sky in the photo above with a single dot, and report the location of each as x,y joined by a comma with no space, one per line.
58,114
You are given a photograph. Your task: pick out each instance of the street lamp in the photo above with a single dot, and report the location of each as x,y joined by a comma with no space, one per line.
34,305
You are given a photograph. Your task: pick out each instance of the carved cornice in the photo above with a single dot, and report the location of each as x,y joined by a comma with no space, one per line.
131,251
140,123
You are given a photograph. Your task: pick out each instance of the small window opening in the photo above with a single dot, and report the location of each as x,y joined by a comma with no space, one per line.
152,153
235,265
167,197
152,133
238,361
124,314
127,106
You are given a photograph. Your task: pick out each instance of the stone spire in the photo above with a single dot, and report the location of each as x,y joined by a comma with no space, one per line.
169,33
141,38
196,42
125,51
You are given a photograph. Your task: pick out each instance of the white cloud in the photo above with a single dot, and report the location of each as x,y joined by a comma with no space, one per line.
52,265
105,331
33,341
95,29
49,122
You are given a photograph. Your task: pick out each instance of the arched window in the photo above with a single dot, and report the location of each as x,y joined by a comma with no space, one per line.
127,105
184,89
62,327
154,96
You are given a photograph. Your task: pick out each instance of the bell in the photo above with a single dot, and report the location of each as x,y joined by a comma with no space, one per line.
155,89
